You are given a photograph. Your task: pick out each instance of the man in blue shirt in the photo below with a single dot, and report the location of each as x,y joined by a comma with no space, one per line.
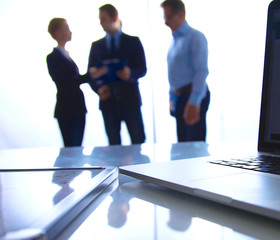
187,72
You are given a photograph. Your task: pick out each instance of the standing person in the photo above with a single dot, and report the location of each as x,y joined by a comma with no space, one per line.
118,61
70,106
187,72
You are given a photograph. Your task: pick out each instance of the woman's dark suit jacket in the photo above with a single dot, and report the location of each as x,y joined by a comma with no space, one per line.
65,73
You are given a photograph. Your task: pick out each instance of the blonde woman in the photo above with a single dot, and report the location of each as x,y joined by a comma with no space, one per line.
70,109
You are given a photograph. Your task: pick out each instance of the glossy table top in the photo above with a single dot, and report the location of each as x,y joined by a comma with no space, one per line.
138,210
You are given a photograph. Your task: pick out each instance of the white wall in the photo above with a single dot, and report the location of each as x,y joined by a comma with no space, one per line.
236,35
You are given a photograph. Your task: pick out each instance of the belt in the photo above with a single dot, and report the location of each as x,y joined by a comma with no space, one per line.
182,90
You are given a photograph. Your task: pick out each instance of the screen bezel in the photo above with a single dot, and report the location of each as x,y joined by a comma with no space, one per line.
263,144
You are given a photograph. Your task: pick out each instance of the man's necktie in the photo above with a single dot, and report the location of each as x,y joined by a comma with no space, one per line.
113,48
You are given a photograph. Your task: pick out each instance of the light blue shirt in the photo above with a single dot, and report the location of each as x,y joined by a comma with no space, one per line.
116,37
188,62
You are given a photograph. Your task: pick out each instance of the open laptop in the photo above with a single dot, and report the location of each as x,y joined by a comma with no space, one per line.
251,184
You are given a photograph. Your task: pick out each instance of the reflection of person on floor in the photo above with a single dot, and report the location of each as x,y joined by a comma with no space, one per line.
189,150
118,210
115,156
179,221
63,178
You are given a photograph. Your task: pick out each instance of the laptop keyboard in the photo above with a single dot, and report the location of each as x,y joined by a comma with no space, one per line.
262,163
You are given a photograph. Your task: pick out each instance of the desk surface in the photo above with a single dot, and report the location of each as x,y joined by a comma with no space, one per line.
138,210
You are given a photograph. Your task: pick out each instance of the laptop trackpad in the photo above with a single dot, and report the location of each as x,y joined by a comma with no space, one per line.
245,187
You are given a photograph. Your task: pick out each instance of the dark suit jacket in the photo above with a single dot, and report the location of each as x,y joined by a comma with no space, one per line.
65,73
126,93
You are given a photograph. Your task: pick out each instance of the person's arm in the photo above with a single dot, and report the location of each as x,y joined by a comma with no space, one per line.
200,65
199,50
65,72
136,65
103,91
94,71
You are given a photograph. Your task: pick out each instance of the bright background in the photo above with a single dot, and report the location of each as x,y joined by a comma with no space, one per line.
236,38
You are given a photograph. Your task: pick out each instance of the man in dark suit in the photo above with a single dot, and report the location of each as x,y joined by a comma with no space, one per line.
116,62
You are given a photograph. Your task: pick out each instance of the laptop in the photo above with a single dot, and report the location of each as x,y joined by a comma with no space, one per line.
249,183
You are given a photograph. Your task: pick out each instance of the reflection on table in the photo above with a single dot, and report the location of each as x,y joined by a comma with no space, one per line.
138,210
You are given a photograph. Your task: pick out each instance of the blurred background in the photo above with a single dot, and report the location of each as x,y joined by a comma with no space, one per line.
236,40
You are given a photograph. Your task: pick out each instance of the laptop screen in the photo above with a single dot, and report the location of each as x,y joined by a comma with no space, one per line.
269,132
